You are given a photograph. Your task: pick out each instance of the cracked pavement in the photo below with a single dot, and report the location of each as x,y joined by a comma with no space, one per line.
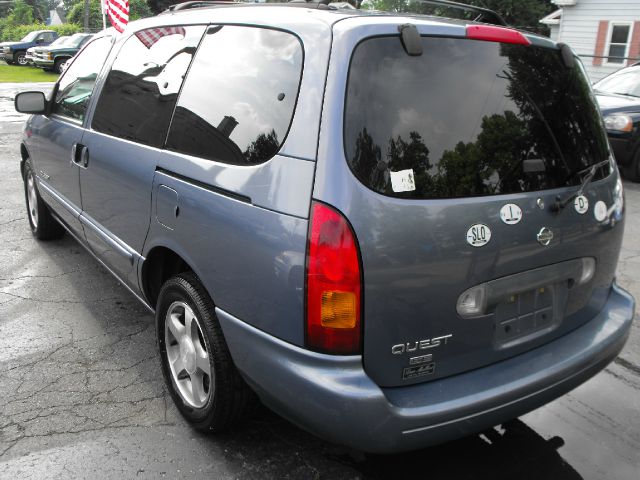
82,395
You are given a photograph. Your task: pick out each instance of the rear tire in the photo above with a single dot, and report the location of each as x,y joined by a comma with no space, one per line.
197,366
43,225
20,58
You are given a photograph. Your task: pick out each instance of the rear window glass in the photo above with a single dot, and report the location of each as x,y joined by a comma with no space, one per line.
468,118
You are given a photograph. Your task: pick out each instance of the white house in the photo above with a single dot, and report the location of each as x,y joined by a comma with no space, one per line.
605,33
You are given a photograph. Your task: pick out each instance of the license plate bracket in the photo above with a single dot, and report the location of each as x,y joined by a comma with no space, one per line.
526,315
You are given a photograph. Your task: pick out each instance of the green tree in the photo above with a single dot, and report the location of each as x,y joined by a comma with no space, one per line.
76,14
519,13
137,9
21,13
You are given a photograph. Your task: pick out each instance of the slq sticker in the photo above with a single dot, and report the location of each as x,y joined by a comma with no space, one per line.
511,214
581,204
478,235
403,181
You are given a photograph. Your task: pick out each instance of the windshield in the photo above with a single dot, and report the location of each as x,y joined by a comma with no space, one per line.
29,37
59,41
76,39
624,83
468,118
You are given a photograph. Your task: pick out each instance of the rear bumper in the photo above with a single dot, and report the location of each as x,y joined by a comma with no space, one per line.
334,398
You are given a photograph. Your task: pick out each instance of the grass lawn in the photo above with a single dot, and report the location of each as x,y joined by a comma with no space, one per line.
13,73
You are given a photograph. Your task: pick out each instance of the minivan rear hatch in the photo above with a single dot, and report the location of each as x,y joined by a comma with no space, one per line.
466,164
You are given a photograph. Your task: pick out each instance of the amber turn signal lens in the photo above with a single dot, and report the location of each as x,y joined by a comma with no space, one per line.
338,309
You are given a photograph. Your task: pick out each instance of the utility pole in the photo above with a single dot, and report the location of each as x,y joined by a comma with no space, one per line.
86,16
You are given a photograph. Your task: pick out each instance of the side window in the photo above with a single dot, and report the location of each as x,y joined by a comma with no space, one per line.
142,87
47,37
75,87
238,99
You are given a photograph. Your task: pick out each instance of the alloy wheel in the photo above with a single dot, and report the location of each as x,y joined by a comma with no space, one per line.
32,200
187,355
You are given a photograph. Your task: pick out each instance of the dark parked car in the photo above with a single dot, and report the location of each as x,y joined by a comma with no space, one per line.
395,230
55,55
15,52
619,99
31,51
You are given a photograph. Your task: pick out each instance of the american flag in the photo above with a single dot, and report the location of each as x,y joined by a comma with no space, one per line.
151,35
118,12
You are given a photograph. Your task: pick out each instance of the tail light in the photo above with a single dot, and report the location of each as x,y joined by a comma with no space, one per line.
333,284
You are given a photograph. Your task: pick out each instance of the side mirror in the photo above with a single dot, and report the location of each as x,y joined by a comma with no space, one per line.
39,41
30,102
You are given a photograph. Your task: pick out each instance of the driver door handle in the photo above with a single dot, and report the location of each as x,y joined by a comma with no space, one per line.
80,155
84,157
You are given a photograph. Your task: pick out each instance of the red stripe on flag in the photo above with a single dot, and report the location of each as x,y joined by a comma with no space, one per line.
118,12
150,36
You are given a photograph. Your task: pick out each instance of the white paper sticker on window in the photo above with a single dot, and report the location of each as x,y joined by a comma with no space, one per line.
403,181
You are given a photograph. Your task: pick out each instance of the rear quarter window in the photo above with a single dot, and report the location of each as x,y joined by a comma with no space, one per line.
239,97
467,118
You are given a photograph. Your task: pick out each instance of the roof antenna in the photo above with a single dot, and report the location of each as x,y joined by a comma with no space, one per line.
410,39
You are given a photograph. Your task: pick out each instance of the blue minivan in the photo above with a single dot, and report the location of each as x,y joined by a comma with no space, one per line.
394,230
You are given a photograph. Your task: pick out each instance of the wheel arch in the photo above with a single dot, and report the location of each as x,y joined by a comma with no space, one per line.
160,264
61,58
24,154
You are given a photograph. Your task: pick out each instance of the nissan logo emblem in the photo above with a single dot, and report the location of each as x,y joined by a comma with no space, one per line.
545,236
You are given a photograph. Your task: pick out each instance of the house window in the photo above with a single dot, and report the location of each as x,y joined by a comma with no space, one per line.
619,36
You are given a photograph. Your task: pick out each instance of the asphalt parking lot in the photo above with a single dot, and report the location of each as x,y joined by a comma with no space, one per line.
82,395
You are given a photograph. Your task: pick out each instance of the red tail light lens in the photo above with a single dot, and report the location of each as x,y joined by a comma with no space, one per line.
333,284
489,33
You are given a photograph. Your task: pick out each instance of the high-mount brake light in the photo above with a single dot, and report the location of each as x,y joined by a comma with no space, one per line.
333,284
490,33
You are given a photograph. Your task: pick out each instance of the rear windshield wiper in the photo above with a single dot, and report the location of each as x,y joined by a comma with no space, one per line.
561,203
541,116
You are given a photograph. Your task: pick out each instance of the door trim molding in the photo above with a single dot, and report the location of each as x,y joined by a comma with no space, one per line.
59,198
118,245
